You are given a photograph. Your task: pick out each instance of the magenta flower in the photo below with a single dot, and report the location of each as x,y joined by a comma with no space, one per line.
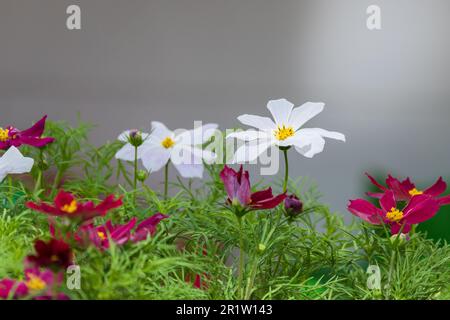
12,289
11,136
405,190
419,209
240,197
100,236
44,285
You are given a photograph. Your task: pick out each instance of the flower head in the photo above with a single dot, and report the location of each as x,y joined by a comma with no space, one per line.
183,149
405,190
419,209
13,162
100,236
11,136
44,284
240,197
66,205
285,131
54,254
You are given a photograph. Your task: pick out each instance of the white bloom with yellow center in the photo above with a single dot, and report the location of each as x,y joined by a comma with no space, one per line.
284,131
183,148
13,162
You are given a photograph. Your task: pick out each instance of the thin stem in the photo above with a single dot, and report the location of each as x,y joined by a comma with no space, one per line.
241,255
166,180
135,173
286,169
37,185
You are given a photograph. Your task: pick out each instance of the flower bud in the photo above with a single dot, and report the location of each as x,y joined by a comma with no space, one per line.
261,247
142,175
293,206
135,138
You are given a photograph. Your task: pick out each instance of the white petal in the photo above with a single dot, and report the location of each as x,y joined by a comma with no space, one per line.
281,110
325,133
155,158
190,170
249,152
126,153
188,161
13,162
248,135
258,122
310,142
197,136
159,130
304,113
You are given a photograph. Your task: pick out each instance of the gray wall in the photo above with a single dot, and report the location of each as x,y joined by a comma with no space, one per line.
183,60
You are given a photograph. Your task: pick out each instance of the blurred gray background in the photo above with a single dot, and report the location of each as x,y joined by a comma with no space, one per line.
177,61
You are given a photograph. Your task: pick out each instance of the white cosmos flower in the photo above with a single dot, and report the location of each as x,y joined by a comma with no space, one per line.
285,131
183,148
13,162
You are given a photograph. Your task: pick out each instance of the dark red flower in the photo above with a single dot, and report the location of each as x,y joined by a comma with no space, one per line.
237,186
12,289
11,136
405,190
54,254
419,209
147,227
65,205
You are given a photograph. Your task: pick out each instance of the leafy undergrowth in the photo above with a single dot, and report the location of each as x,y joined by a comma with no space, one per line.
314,256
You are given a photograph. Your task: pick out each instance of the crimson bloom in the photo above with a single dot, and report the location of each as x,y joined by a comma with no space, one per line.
10,288
54,254
100,236
11,136
405,190
237,186
65,205
419,209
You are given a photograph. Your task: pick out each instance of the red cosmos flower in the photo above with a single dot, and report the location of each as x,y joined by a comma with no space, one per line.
54,254
44,285
237,186
405,190
11,136
120,234
66,205
13,289
419,209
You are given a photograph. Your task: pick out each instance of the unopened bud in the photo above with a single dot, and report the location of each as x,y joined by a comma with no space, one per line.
293,206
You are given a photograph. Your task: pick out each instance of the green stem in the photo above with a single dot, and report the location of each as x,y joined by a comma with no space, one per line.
166,180
37,185
135,173
286,169
241,255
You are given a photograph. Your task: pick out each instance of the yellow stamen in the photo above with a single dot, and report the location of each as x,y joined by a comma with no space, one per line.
101,235
70,208
168,143
54,258
415,192
283,132
4,135
35,283
394,215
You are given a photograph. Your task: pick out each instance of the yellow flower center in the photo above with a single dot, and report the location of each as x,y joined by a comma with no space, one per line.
71,207
35,283
283,132
101,235
4,135
394,215
168,143
54,258
415,192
